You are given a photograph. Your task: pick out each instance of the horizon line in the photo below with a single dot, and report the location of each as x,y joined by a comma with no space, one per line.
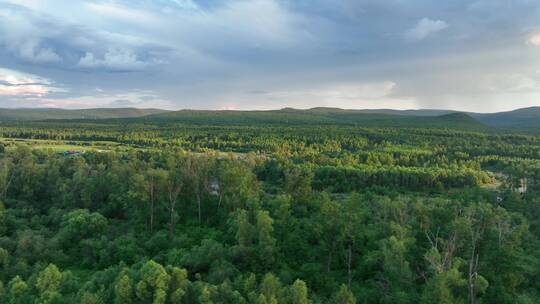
262,110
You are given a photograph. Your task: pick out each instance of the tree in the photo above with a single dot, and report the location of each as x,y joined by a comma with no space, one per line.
81,235
91,298
475,224
225,294
298,183
4,258
344,296
238,186
178,285
154,283
205,296
329,228
123,290
270,288
48,283
245,230
266,242
441,288
397,276
298,293
3,227
353,232
18,292
2,292
503,251
146,188
81,224
7,175
175,177
199,174
154,179
21,174
444,267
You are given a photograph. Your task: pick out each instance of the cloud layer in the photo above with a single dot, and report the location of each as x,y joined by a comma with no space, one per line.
13,83
424,28
114,59
472,55
534,38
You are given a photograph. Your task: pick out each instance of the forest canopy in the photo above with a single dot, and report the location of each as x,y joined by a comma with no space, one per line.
108,212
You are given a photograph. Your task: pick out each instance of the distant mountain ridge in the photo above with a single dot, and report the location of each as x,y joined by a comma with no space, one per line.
29,114
421,112
525,119
319,116
520,119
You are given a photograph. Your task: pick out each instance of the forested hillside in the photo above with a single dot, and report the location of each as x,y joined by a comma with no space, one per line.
30,114
526,119
154,211
318,116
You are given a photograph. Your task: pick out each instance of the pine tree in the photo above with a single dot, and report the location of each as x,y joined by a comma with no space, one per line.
344,296
123,291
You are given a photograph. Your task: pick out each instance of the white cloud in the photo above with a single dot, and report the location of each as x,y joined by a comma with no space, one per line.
24,39
136,98
424,28
14,83
35,37
235,28
114,59
153,31
351,95
120,12
185,4
534,39
510,83
32,4
335,92
30,50
359,91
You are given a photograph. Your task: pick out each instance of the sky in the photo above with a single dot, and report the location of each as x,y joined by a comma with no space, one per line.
476,55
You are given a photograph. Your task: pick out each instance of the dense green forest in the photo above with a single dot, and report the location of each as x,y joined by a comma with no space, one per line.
523,120
254,211
31,114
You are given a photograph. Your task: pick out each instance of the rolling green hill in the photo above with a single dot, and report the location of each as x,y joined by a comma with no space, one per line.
317,116
523,119
526,119
421,112
98,113
292,117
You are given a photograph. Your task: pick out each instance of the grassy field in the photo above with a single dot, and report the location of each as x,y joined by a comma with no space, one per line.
59,146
